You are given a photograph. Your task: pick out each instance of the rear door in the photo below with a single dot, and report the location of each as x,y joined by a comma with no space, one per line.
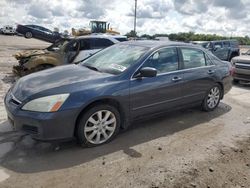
220,51
199,74
157,94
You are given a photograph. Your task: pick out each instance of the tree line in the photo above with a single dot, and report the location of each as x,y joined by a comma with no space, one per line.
191,36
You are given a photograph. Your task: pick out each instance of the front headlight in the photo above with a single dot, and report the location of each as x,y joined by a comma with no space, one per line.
46,104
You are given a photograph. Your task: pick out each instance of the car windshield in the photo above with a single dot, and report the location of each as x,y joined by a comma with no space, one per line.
59,45
115,59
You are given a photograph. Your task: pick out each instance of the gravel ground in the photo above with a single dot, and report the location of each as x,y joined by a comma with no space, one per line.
188,148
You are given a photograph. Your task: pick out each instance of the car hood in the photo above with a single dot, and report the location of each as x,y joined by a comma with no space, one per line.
242,58
55,79
29,53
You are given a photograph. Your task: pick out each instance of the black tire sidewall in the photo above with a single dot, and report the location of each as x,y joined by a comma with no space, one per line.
85,116
205,106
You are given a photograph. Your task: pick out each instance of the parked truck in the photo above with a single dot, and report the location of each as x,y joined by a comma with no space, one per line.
224,49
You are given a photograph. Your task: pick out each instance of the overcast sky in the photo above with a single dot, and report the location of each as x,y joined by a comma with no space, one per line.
224,17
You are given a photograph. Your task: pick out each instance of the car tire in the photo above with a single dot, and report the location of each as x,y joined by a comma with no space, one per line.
212,99
98,125
28,35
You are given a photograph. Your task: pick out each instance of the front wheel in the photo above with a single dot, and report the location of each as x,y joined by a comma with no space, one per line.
28,35
212,98
98,125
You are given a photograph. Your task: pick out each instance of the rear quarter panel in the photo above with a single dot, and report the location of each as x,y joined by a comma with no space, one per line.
224,75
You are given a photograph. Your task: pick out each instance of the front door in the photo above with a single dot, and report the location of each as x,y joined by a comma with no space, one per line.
160,93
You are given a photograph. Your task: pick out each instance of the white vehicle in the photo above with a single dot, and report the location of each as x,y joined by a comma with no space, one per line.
8,30
91,44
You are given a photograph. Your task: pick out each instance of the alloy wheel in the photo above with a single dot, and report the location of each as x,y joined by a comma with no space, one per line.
213,97
100,126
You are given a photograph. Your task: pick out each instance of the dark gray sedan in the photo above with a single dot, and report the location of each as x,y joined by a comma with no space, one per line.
93,100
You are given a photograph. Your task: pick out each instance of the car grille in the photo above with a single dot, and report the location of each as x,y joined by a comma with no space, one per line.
30,129
242,65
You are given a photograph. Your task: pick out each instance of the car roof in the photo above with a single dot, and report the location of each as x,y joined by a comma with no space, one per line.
157,44
95,36
108,35
230,40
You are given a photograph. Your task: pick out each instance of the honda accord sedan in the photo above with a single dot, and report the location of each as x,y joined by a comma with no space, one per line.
93,100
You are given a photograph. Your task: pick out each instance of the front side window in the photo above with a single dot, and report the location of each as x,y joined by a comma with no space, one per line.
72,47
115,59
164,60
193,58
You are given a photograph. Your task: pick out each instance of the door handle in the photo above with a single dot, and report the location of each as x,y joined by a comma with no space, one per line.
176,79
210,71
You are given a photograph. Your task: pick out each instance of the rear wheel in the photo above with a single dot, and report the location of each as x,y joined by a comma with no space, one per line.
212,98
98,125
28,35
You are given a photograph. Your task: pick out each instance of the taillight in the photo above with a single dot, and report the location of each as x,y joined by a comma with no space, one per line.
231,70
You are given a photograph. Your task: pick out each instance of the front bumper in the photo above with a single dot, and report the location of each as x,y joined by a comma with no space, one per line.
242,74
42,126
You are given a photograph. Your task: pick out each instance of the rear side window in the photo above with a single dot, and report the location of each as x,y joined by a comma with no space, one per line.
218,45
164,60
86,44
208,60
193,58
226,44
102,43
121,39
235,44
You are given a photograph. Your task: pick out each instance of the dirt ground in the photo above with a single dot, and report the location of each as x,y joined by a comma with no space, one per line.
188,148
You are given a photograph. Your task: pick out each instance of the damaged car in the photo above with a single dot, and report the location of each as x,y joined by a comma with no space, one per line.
62,52
241,66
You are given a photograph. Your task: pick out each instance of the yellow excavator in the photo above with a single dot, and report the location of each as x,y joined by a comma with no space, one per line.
95,27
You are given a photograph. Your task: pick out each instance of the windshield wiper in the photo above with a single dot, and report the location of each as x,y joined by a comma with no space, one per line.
92,68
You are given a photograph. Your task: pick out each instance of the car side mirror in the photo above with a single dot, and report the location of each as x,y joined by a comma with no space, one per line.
146,72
